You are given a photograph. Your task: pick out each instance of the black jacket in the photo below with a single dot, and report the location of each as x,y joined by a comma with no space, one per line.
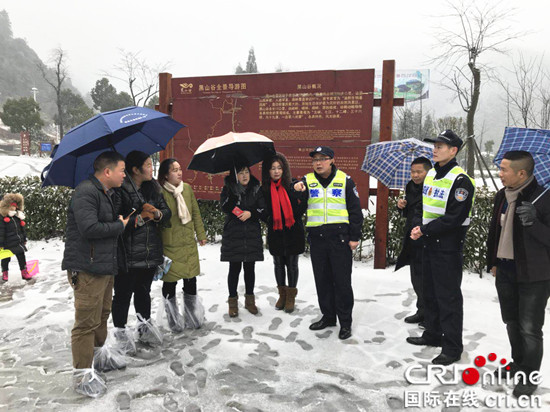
12,234
143,244
347,232
413,196
532,243
447,230
289,241
92,231
242,241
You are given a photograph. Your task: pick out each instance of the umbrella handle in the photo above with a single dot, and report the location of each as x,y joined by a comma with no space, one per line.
539,196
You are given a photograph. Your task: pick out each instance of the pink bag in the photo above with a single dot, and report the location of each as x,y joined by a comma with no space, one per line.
32,267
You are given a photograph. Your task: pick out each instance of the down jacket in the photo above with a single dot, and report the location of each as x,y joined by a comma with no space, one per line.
12,228
179,240
92,232
242,241
142,244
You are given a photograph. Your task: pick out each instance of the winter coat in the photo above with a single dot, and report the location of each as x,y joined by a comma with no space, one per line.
242,241
531,243
289,241
143,244
413,196
179,240
12,228
92,232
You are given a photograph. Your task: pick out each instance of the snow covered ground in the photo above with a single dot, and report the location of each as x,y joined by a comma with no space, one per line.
22,165
267,362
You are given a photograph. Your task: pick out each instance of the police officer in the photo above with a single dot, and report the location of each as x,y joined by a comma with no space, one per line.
334,221
447,200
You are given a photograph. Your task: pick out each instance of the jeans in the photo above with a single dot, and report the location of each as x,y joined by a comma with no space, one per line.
522,306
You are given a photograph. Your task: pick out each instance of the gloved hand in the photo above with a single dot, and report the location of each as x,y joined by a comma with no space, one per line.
527,213
148,212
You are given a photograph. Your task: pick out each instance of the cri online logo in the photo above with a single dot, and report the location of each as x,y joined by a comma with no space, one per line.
424,375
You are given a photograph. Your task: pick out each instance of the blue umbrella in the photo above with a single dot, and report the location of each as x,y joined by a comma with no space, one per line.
534,141
390,162
124,130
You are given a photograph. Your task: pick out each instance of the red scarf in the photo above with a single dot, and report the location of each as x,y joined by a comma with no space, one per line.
280,200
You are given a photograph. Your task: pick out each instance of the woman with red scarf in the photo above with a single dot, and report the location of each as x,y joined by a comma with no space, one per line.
285,234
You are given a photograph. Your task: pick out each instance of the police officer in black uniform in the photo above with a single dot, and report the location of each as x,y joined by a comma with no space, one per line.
332,244
444,230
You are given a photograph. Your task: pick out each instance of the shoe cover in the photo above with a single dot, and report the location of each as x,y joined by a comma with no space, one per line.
109,357
148,332
125,341
193,311
171,315
88,382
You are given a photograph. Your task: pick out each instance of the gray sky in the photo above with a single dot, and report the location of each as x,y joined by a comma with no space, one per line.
211,37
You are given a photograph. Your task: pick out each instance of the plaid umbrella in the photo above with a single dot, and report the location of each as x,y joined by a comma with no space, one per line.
390,162
534,141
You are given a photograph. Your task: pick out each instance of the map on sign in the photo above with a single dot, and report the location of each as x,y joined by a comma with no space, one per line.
298,111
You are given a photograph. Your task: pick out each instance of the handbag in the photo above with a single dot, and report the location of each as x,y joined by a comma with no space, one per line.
163,268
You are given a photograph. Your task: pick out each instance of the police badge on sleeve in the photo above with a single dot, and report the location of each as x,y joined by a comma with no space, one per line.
461,194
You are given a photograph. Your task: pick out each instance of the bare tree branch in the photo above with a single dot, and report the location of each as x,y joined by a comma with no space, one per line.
468,32
140,78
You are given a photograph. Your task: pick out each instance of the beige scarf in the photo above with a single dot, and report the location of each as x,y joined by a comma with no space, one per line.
506,240
183,211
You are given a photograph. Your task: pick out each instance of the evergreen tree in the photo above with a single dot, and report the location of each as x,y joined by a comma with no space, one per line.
74,109
251,66
239,69
22,115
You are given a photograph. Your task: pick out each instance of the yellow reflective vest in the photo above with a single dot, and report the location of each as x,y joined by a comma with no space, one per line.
435,194
326,205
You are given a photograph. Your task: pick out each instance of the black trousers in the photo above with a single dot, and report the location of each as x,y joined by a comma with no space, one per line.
416,278
233,277
522,306
290,263
20,259
443,302
136,282
332,264
189,287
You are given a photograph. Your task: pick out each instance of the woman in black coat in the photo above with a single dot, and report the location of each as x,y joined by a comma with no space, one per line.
243,202
142,242
285,229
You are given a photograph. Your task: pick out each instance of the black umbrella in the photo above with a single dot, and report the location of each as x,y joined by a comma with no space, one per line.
219,154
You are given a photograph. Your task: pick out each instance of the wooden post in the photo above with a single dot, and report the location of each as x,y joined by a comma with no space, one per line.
164,106
382,193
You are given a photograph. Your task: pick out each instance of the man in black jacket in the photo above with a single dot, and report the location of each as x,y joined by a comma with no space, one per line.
447,201
334,221
518,255
90,259
411,252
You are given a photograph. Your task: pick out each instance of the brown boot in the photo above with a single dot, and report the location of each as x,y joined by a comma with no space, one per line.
233,306
282,298
290,296
250,304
